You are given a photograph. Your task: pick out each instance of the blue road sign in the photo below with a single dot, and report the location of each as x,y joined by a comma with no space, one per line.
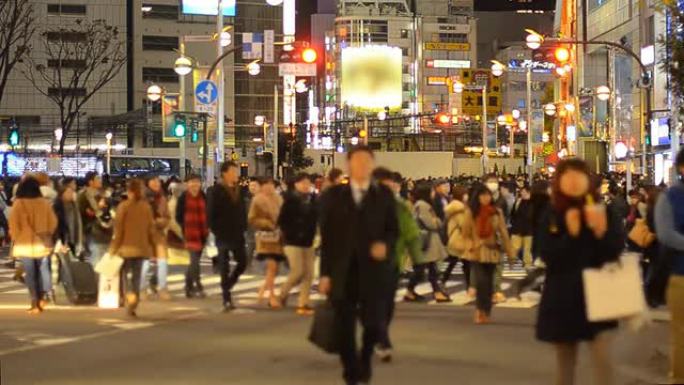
206,92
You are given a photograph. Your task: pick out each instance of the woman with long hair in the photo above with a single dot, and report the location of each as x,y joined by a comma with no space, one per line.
486,233
135,239
263,217
32,224
156,196
433,249
455,213
576,232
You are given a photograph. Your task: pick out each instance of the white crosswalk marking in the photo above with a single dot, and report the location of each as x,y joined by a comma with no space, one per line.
247,288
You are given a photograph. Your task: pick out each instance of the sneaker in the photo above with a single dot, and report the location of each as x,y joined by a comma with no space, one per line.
305,310
384,354
499,297
441,297
412,296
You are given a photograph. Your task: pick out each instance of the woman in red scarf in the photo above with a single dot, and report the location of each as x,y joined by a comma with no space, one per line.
191,215
485,229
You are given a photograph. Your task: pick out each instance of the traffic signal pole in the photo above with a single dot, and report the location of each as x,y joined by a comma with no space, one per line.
181,106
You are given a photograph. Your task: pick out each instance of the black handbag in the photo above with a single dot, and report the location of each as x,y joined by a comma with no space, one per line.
323,329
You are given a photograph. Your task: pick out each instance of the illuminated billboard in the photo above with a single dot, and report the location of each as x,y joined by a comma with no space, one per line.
371,77
208,7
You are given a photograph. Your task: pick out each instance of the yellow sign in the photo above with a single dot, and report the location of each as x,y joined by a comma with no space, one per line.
234,156
471,99
435,46
371,77
436,81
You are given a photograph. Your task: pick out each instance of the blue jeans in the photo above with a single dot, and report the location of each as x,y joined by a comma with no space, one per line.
37,275
162,273
97,250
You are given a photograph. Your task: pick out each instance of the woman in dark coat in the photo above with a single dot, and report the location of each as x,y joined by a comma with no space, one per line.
575,234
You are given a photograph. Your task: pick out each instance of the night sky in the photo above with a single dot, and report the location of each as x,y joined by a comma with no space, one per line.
512,5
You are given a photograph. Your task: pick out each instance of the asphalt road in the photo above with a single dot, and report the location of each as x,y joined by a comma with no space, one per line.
191,342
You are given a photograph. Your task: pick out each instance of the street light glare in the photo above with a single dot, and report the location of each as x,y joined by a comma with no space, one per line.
533,40
497,69
254,69
603,93
183,66
154,93
458,87
550,109
274,2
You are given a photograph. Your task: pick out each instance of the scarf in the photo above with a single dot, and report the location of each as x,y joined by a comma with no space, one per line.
484,223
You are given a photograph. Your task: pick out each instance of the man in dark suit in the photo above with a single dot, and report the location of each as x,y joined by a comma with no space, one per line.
359,229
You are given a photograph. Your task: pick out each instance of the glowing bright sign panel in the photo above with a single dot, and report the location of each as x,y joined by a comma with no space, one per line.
371,77
208,7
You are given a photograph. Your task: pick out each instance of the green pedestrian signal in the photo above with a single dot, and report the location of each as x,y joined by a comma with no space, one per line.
13,138
179,128
194,137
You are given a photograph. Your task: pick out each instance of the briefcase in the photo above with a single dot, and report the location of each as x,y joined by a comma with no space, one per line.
323,329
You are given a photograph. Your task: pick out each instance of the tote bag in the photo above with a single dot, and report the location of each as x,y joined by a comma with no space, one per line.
615,290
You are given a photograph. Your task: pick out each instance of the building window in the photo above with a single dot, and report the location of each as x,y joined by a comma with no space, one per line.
66,92
404,34
66,9
160,11
66,36
159,75
448,37
66,63
443,20
404,52
160,43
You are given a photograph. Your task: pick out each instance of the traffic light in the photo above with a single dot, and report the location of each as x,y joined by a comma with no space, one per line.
13,137
442,119
179,127
194,137
562,55
309,55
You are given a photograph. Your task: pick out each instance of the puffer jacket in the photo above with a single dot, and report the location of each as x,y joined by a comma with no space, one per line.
455,214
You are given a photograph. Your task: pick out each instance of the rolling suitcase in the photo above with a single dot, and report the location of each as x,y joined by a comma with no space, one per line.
79,280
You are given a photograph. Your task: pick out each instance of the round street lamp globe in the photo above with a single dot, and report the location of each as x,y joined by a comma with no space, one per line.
226,39
183,66
274,2
501,119
58,134
259,120
254,69
154,93
516,114
109,136
603,93
458,87
621,150
533,41
550,109
497,69
382,115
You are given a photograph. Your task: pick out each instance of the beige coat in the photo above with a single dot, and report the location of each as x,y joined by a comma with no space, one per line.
487,250
455,214
28,218
135,232
263,216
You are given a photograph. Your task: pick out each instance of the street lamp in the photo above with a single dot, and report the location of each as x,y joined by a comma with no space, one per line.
458,87
58,134
516,114
534,39
497,68
259,120
382,115
274,2
603,93
183,66
154,93
301,87
109,138
550,109
253,68
226,39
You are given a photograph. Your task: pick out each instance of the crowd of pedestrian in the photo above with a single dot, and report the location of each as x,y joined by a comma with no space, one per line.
369,227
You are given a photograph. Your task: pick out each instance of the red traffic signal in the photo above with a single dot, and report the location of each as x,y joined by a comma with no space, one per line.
309,55
562,55
442,119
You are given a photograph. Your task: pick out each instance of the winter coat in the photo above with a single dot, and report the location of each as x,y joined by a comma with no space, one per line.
490,249
297,220
162,218
456,213
263,216
409,243
562,311
29,219
135,232
69,237
430,226
521,218
227,216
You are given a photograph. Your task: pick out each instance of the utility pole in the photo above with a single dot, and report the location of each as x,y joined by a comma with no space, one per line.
221,84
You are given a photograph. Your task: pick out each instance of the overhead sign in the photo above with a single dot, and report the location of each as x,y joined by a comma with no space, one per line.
471,98
436,46
436,80
207,7
536,66
206,92
297,69
447,63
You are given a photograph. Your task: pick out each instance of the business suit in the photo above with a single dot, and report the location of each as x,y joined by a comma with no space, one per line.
359,284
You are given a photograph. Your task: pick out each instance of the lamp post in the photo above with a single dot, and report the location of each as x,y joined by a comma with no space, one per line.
182,67
109,138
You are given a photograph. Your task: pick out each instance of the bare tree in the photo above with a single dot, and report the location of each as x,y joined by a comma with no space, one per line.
81,60
16,30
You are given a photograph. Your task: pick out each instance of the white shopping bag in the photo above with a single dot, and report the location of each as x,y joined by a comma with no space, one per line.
614,291
108,292
109,265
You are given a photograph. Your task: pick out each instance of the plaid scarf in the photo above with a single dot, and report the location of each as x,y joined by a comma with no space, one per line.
195,227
